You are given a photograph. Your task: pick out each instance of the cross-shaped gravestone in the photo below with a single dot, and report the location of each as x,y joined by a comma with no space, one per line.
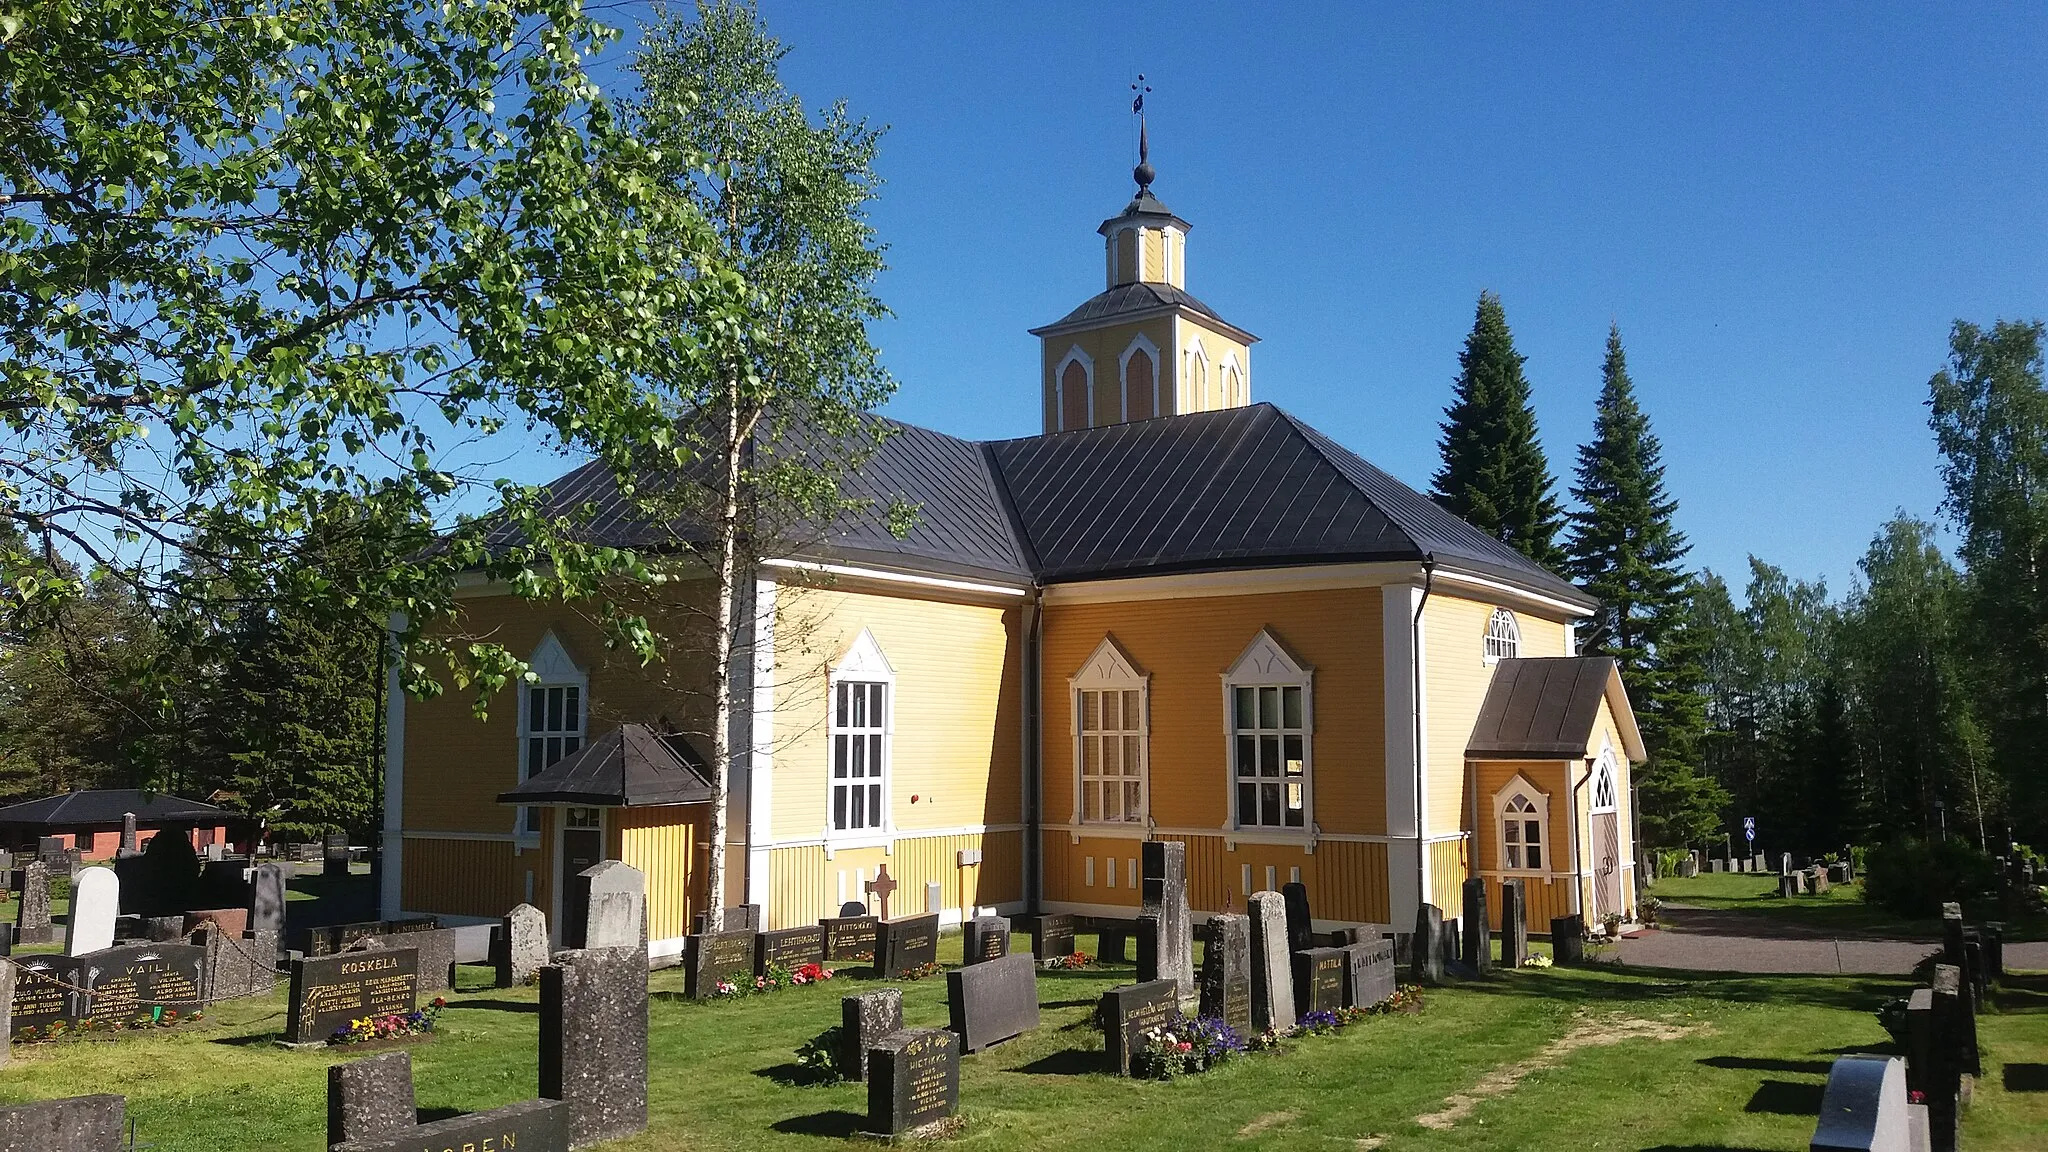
881,887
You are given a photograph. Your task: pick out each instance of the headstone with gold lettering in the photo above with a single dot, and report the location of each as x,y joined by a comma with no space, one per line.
327,992
1227,971
913,1080
137,982
716,956
905,944
1130,1011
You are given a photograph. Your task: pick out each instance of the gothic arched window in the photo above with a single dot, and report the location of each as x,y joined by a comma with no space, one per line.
1503,636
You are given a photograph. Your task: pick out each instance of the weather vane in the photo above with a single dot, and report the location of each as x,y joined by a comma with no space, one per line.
1143,173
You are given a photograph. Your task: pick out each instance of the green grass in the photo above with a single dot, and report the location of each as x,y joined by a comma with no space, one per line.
1840,909
1749,1076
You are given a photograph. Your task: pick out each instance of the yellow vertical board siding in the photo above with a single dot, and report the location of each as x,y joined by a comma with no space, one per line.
666,843
1447,872
464,877
1455,683
1548,894
805,884
1105,346
1185,646
1219,349
1347,880
956,753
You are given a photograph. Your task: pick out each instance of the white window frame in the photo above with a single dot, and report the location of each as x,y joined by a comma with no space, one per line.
1520,789
1191,393
1503,636
1111,669
1233,385
864,663
549,668
1139,343
1266,663
1059,387
1603,780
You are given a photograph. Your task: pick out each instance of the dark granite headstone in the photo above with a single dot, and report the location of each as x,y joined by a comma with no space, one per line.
528,1126
863,1020
849,939
370,1099
1300,925
984,938
1952,1035
789,948
905,943
1428,963
1126,1013
738,917
72,1124
224,884
1052,936
1788,885
1318,980
131,981
1163,888
41,995
267,887
329,991
1112,938
1477,932
334,857
334,939
1370,974
128,834
1993,937
593,1040
990,1002
1568,939
1227,971
32,916
913,1080
711,958
1514,924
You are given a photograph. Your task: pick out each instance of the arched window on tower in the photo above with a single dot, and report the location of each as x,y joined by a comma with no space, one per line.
1074,395
1138,377
1503,636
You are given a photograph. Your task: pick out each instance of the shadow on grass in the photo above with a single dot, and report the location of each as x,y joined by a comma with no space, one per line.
837,1123
1652,985
429,1115
1066,1062
2022,995
1763,1064
1786,1098
257,1041
789,1074
2026,1078
526,1006
1700,1148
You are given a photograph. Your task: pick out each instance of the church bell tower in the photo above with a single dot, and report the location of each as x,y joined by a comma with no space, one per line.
1142,347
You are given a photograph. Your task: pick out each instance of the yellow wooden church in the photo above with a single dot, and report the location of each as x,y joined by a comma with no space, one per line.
1175,614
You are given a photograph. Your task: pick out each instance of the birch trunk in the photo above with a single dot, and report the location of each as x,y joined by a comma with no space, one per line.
721,672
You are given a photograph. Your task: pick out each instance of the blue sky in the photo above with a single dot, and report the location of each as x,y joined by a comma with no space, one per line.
1784,207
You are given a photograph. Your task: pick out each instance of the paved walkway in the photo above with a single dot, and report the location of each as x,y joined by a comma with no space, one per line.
1718,941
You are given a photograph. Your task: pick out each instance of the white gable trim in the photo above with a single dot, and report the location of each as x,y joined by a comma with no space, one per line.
1267,661
1109,666
864,661
1139,343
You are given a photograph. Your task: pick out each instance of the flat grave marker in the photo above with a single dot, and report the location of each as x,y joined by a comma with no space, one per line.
529,1126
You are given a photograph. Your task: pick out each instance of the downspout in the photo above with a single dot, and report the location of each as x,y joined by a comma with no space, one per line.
1033,752
1578,861
1421,754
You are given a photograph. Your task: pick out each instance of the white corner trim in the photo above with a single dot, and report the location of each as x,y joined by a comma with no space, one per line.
761,755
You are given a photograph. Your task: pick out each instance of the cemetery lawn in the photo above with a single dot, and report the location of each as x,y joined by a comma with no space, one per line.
1710,1062
1840,909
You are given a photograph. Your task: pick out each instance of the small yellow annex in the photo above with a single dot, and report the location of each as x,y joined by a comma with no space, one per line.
1176,614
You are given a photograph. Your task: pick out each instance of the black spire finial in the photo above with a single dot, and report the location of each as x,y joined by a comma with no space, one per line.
1143,173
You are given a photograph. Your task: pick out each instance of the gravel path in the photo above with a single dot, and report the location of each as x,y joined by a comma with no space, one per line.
1719,941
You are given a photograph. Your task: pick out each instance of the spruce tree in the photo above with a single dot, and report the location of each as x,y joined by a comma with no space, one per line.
1494,473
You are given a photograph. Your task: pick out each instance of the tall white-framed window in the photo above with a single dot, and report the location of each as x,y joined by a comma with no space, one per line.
1503,636
553,714
1269,706
1522,813
863,690
1111,729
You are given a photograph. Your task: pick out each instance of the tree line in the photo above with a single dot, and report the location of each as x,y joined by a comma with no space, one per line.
1913,707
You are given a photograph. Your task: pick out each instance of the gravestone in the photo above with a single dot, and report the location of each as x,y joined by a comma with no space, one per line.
739,917
1318,980
905,943
1227,971
1514,924
436,947
984,938
529,1126
1952,1053
32,917
913,1080
523,946
713,957
327,992
1163,888
1427,962
881,888
237,965
1052,936
607,908
934,897
370,1099
593,1040
6,1013
1993,936
232,921
1864,1107
42,991
863,1020
72,1124
849,938
1272,968
473,943
1110,938
1817,879
1126,1013
134,981
95,902
1567,939
334,856
1478,927
993,1001
267,887
1370,974
128,846
1300,925
334,939
1788,885
789,948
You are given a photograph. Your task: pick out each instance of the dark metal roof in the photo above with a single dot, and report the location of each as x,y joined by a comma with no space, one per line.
629,766
1148,205
1133,299
1541,708
108,806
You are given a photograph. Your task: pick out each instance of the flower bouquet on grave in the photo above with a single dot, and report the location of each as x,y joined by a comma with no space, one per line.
928,968
1318,1023
1535,960
810,974
1072,962
774,979
1184,1046
391,1026
735,986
